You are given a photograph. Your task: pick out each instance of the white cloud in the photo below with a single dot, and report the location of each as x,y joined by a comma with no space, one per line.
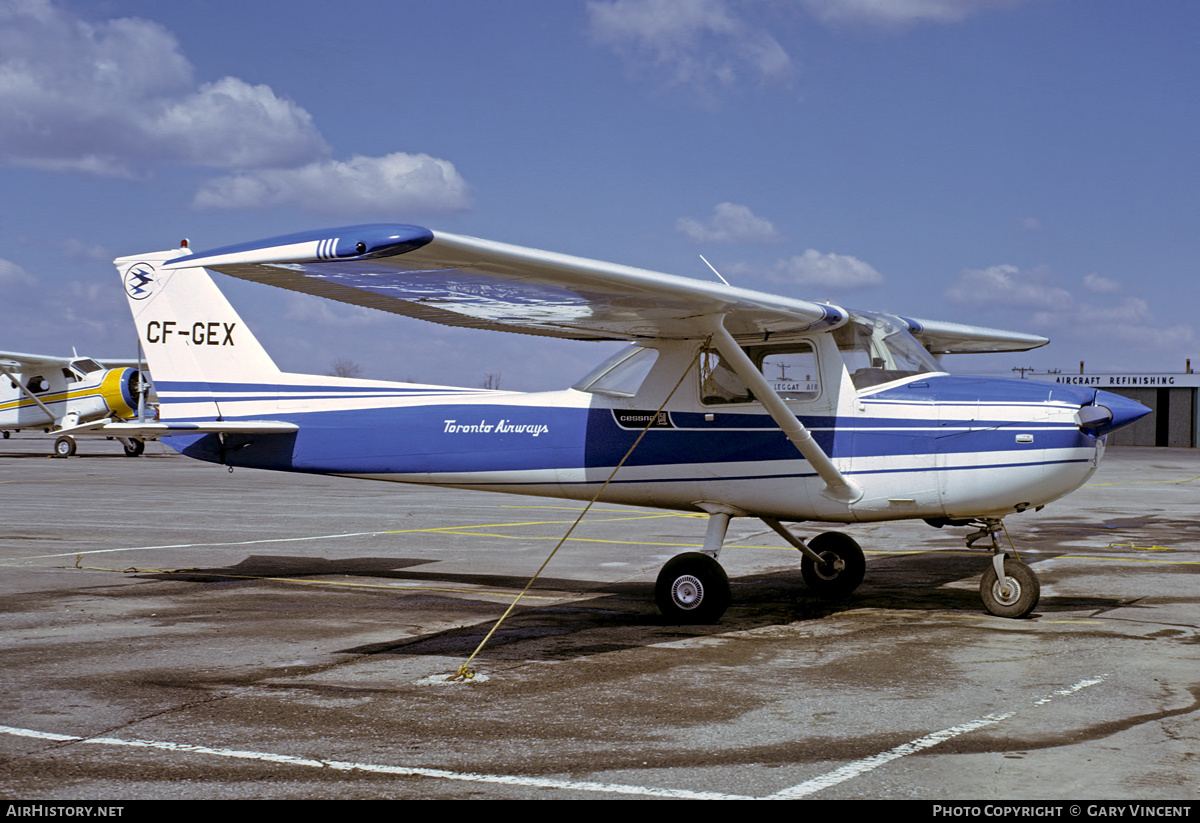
1129,325
700,44
1008,286
398,184
1029,223
13,276
1006,296
106,98
730,223
837,271
1100,285
900,12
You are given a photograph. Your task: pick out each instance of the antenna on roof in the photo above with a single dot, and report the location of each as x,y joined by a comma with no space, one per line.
714,270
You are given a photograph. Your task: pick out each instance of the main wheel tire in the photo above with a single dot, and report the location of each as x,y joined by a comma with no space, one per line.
1017,596
64,446
842,570
692,588
134,448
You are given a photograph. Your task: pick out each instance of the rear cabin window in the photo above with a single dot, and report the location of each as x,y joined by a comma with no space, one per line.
620,375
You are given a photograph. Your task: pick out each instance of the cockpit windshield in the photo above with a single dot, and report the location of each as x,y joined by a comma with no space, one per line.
85,365
878,348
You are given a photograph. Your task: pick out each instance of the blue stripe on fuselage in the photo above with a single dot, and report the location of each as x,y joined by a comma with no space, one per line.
469,438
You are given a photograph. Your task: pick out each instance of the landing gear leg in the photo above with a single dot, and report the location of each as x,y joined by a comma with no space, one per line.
1009,588
833,565
692,587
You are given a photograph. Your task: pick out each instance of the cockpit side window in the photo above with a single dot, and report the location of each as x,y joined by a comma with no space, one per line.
877,349
791,371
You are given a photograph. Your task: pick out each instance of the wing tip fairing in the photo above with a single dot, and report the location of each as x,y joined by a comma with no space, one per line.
368,241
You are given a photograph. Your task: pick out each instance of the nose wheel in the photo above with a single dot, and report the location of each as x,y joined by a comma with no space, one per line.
1016,595
1009,588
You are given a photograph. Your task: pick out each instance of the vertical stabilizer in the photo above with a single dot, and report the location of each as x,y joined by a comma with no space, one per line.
196,346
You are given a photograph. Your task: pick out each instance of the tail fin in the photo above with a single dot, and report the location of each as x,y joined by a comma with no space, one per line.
195,344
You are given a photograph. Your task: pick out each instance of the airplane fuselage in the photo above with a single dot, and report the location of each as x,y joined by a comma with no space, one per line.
99,394
929,446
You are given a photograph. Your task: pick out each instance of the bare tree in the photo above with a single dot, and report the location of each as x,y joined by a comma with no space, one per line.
345,367
491,380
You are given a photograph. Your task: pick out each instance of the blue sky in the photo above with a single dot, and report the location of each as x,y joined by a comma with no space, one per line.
1023,164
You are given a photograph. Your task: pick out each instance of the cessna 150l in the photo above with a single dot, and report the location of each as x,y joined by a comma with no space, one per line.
728,401
56,394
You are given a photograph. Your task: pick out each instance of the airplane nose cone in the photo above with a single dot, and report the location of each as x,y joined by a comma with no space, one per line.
1121,411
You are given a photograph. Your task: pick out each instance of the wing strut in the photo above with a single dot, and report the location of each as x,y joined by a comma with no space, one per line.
837,485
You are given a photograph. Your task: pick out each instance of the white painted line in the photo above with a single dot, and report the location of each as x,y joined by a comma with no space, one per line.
809,787
851,770
858,767
375,768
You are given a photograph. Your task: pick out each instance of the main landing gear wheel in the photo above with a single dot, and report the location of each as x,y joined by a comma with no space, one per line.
64,446
843,567
133,448
1016,596
692,588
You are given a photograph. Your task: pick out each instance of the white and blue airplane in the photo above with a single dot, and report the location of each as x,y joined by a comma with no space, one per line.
727,401
57,394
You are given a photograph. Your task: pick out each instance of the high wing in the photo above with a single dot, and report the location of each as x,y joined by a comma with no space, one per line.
465,281
942,337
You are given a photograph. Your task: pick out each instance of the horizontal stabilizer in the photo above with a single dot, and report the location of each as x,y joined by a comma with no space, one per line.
152,429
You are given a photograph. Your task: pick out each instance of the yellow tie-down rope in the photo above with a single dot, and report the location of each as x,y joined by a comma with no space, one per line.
464,672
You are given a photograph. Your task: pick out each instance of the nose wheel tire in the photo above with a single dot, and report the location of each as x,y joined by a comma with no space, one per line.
692,588
1016,596
841,570
134,447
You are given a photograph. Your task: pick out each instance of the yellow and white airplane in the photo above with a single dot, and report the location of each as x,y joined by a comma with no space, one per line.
60,394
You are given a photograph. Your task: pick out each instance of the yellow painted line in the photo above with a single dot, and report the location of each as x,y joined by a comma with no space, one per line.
578,539
342,583
457,529
608,511
1129,559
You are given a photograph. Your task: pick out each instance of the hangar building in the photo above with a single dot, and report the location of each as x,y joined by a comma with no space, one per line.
1171,397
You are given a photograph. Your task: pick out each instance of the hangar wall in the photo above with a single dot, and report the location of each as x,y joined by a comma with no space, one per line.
1172,399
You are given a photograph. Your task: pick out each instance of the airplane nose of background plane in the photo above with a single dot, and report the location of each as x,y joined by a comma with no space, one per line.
1109,412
